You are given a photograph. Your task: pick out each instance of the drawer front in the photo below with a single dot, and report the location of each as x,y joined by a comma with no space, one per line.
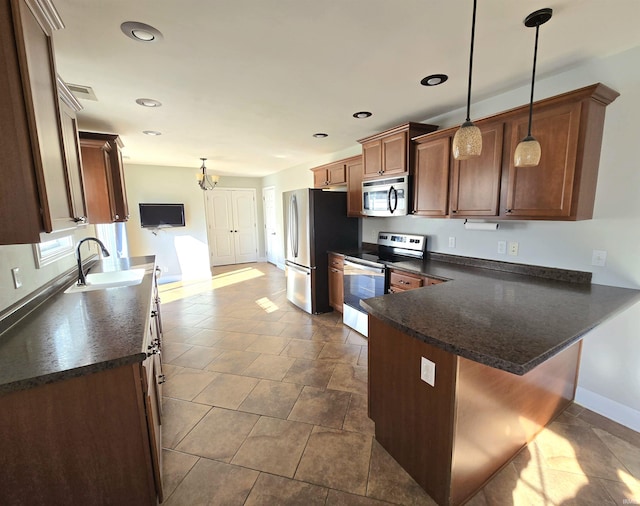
433,281
336,261
405,281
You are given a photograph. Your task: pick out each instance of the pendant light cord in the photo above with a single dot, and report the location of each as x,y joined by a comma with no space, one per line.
533,79
473,34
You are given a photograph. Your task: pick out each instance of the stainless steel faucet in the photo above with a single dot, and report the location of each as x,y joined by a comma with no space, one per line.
105,252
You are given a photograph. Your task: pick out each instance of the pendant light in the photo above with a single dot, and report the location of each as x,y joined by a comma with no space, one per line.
467,143
528,151
205,180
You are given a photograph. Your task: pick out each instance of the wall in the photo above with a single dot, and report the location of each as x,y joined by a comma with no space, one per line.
294,178
21,255
181,252
609,379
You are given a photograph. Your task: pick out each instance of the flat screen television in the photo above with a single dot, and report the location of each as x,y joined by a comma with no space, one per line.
161,215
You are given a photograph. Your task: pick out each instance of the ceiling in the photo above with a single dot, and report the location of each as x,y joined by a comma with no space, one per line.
245,83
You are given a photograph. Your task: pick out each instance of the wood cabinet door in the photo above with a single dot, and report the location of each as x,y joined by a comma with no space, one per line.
74,169
95,178
372,159
336,290
154,426
336,173
394,154
319,177
354,187
475,183
544,191
119,203
431,183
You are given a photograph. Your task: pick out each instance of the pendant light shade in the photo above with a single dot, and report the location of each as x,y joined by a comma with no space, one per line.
467,143
528,151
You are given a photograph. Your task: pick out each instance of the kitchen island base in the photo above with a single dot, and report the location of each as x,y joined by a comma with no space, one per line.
456,435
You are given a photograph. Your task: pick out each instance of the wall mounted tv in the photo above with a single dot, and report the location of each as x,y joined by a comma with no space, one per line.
161,215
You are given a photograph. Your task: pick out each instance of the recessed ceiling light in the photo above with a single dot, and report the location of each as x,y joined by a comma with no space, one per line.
320,135
140,31
148,102
434,80
362,114
153,133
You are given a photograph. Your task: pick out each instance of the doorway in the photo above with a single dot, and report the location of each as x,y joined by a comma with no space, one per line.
270,227
231,226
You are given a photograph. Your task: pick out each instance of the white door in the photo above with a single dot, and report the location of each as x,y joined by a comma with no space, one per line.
270,235
231,226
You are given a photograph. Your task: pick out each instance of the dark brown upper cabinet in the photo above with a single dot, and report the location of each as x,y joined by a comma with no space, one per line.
331,174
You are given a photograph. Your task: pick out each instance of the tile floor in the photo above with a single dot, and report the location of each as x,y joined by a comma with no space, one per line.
266,405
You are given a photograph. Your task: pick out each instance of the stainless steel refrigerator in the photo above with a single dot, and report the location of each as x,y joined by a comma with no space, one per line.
315,221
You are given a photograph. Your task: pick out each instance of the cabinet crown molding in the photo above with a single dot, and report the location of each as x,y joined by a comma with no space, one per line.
46,14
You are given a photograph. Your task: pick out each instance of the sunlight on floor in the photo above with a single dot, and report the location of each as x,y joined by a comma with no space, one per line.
266,304
181,289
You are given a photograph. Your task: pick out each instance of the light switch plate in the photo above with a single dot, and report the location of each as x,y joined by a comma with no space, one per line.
502,247
428,371
599,258
452,242
17,279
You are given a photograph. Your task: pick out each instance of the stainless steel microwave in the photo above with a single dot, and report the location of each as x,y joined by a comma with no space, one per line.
385,197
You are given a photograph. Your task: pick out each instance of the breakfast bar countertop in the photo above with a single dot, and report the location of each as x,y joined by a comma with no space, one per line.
74,334
506,320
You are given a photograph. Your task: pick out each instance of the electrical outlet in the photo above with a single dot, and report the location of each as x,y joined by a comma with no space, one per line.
17,279
502,247
452,242
513,249
599,258
428,371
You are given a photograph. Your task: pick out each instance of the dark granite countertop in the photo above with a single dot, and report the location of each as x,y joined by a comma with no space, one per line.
75,334
508,320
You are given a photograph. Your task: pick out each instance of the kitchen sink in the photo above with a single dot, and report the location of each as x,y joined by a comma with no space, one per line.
113,279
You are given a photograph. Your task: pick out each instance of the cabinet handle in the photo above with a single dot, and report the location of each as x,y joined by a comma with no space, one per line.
454,211
507,210
116,216
154,314
80,219
161,379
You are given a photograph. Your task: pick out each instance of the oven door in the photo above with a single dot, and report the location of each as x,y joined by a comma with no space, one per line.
361,281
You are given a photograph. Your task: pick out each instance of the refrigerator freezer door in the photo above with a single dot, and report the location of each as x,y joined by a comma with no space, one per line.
299,281
296,226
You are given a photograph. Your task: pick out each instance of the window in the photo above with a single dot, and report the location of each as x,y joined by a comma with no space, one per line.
48,252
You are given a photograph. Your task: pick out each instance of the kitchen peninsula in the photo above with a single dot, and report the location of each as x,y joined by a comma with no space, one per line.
498,346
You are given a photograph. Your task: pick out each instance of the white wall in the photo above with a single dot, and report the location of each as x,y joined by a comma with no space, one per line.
181,252
609,379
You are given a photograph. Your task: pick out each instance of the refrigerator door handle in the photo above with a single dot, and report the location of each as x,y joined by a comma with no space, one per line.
294,225
297,268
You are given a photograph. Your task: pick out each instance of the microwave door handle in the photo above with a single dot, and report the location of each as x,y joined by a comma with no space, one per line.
395,199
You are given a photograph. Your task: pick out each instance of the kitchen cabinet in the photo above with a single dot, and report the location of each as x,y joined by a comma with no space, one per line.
330,175
354,186
401,281
431,179
89,436
103,173
389,153
39,189
336,281
562,187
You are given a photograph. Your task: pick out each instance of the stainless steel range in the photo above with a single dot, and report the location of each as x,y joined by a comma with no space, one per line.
365,274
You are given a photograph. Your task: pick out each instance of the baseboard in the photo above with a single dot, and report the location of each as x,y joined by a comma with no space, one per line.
604,406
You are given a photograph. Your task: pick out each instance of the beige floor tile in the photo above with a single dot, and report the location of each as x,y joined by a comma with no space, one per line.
214,483
574,409
349,378
599,421
314,373
576,450
175,466
298,331
271,398
179,334
178,418
299,348
362,359
274,446
626,491
268,344
272,490
321,407
389,482
169,370
227,391
206,337
182,319
240,326
357,338
338,352
625,452
357,419
569,419
330,334
338,498
478,500
232,361
198,357
219,434
333,318
187,383
236,341
336,459
296,317
268,328
171,351
271,367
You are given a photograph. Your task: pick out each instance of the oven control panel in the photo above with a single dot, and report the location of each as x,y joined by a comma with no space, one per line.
403,241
